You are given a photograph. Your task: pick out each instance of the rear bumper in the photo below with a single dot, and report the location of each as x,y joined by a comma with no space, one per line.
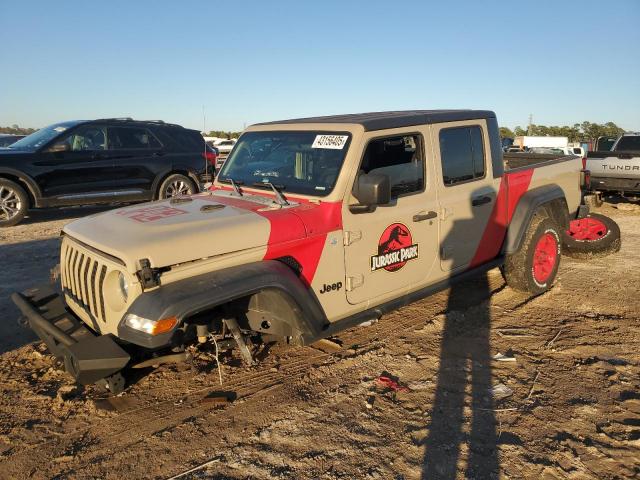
611,184
87,357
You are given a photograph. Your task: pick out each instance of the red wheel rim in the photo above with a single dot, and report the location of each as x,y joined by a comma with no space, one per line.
587,229
544,257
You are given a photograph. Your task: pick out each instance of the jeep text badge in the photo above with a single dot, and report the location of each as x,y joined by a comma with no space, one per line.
395,249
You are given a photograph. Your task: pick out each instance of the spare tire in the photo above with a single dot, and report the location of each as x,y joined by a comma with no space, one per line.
592,236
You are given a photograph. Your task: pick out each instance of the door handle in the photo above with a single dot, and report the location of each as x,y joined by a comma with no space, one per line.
476,202
420,217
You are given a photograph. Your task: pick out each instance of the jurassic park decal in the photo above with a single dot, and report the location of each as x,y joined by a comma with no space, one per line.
395,249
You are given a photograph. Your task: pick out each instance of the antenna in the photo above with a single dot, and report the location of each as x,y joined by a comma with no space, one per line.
530,124
206,160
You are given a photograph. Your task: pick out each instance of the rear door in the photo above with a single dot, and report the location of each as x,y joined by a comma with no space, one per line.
466,189
393,248
138,159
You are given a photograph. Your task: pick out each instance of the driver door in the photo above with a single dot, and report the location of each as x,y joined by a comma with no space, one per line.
394,248
80,166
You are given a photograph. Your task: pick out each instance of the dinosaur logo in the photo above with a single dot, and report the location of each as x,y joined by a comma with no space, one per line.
395,249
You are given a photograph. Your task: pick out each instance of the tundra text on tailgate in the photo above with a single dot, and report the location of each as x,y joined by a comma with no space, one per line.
312,226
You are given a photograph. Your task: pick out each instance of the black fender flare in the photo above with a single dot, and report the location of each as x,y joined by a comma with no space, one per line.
188,297
31,184
527,207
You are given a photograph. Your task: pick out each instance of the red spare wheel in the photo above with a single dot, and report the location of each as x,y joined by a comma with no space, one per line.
593,235
587,229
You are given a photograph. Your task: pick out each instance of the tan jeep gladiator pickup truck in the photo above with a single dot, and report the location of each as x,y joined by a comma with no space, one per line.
312,226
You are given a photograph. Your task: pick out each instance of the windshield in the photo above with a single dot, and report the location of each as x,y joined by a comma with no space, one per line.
296,162
42,136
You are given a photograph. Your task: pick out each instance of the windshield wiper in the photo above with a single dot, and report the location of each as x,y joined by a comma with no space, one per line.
280,198
234,184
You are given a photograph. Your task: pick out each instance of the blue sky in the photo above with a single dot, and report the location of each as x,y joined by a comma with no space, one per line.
249,61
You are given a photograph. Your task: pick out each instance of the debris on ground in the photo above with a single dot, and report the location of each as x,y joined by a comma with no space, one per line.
387,382
500,357
500,391
327,346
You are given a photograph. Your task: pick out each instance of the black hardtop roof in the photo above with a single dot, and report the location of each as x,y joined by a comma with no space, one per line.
384,120
129,120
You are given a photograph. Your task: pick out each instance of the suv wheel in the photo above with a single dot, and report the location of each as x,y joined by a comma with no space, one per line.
533,268
14,203
175,186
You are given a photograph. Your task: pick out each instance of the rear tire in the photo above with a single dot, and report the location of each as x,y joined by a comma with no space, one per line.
533,268
592,236
14,203
176,185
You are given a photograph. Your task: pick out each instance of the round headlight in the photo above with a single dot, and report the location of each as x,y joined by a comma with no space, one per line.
124,286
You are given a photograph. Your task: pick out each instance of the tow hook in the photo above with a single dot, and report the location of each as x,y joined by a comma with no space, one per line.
149,277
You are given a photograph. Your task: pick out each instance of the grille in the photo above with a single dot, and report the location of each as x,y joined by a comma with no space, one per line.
82,279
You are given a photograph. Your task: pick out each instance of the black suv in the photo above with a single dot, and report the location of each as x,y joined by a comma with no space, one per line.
101,161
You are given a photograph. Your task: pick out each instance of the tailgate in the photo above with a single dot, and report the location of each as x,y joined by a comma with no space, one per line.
614,165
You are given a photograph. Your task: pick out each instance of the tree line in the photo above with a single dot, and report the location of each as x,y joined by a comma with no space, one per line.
585,131
222,134
16,130
579,132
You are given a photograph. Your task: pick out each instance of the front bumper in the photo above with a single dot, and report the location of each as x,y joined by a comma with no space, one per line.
88,357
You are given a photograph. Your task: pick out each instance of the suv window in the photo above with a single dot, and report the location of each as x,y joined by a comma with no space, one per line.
462,154
400,158
629,143
91,137
131,137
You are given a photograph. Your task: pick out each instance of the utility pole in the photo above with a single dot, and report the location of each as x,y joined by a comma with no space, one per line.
530,124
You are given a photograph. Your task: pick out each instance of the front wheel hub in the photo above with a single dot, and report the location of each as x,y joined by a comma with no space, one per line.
10,203
544,257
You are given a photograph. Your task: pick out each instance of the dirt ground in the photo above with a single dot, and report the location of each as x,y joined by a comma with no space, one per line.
319,412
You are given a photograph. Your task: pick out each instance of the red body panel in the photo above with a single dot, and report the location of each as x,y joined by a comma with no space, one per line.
299,232
512,187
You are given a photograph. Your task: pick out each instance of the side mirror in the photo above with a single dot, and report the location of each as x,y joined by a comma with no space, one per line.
372,189
59,147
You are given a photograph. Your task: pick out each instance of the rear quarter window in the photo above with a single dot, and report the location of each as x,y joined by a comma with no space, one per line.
629,144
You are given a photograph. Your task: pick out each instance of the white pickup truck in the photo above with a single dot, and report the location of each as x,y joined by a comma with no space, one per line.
616,170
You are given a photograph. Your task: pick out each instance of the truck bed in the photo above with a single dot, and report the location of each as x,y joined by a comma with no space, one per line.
528,171
514,161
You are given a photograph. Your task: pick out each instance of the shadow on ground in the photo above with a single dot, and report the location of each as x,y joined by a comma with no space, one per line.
52,214
22,266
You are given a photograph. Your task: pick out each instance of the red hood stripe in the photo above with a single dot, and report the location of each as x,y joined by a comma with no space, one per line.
299,232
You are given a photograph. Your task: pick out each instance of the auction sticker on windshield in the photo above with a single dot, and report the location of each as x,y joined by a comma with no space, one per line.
335,142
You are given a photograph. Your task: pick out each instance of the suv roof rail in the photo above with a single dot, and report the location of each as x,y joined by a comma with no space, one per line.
114,118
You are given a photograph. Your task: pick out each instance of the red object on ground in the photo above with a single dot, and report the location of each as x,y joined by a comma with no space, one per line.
544,257
587,229
392,384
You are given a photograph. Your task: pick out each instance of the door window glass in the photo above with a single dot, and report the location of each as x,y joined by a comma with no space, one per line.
89,138
462,154
400,158
121,138
629,143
